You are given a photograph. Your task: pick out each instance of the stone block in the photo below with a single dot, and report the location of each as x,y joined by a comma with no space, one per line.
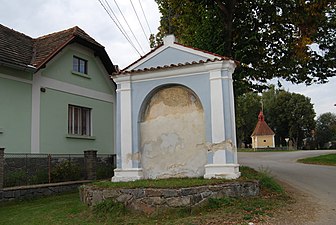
153,192
206,194
137,193
124,198
168,193
139,206
202,189
111,193
154,200
195,199
97,197
188,191
178,201
215,188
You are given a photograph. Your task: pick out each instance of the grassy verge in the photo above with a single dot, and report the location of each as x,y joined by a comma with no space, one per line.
264,150
67,209
329,159
247,174
161,183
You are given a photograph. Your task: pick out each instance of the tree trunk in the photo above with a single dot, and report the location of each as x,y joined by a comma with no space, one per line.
228,13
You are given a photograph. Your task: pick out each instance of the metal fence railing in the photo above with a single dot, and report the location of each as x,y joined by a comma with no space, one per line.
105,166
30,169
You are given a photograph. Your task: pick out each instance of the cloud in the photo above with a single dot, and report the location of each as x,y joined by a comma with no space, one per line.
321,95
40,17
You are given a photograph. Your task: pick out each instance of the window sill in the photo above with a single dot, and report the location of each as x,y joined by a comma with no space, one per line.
81,74
73,136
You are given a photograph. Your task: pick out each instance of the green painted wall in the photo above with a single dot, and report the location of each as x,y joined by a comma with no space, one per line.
54,124
54,105
16,106
15,114
60,69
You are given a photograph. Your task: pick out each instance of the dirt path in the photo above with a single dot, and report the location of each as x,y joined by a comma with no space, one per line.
302,210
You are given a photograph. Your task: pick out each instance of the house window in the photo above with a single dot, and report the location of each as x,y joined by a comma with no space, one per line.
79,120
79,65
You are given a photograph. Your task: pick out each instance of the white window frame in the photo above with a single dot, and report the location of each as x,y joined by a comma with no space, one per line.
77,124
77,67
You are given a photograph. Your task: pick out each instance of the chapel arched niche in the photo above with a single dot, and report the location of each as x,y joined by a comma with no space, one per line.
172,133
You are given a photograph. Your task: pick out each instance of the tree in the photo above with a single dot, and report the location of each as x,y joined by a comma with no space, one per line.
248,107
289,115
325,128
270,38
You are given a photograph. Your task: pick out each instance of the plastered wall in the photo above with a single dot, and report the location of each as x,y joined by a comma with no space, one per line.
172,134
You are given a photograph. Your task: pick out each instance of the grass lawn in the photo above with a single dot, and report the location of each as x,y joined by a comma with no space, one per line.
264,150
67,209
329,159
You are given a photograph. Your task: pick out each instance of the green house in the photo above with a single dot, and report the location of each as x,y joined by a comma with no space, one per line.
56,95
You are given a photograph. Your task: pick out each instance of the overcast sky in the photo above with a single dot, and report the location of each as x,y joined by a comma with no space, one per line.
39,17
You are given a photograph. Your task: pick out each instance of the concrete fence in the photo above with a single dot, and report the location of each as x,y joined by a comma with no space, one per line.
22,169
93,166
2,159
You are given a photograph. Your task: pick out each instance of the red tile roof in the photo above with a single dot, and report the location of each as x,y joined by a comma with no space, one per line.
20,49
15,48
169,66
262,128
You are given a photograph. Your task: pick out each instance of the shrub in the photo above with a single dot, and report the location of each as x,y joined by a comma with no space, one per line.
40,177
15,178
65,171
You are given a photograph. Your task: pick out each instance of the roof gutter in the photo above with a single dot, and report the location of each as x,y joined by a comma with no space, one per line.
22,67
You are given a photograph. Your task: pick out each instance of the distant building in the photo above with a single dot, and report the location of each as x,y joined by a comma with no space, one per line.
263,135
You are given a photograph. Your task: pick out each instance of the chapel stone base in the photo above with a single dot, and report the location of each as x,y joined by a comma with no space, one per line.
124,175
226,171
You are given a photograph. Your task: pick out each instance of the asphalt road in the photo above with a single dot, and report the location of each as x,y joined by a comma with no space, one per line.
317,181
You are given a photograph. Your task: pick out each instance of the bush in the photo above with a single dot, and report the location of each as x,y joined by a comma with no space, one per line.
40,177
15,178
65,171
